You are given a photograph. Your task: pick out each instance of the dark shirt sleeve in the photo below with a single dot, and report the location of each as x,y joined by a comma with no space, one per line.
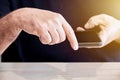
4,7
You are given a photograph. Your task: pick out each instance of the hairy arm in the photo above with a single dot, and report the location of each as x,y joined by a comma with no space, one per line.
8,32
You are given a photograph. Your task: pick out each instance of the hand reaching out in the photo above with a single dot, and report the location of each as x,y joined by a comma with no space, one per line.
110,28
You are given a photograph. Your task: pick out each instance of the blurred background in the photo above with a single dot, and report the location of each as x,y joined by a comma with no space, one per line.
79,11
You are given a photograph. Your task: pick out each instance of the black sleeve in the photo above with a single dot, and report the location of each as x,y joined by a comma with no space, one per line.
4,7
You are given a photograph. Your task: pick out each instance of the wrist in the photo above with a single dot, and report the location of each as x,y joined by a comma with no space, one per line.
9,28
9,31
13,27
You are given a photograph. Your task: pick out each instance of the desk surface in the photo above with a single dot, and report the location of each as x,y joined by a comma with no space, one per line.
59,71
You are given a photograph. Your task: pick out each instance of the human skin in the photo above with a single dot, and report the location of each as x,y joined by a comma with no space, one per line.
50,27
110,28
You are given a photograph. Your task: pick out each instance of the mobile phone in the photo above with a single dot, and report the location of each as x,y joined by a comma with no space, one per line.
88,39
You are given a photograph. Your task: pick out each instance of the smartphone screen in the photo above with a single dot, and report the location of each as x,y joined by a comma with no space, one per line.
88,39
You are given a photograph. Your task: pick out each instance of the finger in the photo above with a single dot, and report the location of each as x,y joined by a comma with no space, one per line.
80,29
70,34
42,33
62,35
55,37
96,21
52,28
61,32
45,37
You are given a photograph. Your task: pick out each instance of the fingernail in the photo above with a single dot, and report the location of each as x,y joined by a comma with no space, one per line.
76,47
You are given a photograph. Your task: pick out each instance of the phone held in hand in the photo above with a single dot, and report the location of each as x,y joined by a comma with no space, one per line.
88,39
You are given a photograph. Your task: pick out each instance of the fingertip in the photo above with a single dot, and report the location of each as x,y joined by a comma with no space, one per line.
75,47
80,29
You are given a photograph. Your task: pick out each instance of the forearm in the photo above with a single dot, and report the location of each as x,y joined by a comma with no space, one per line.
8,32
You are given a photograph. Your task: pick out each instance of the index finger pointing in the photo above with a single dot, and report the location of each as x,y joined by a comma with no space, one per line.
70,34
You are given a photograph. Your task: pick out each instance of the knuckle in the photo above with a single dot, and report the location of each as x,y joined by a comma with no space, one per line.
52,22
63,38
45,40
58,15
48,40
103,15
49,22
56,40
43,26
70,32
92,18
56,19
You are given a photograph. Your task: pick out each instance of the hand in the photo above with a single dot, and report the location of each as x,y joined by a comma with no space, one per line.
50,27
110,28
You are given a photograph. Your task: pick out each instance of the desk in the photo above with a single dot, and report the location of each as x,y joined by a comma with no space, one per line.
59,71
